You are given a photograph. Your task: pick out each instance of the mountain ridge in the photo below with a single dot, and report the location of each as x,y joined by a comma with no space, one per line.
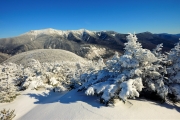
85,43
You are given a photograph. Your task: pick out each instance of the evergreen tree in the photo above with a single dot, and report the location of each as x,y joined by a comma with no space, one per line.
174,71
8,90
126,76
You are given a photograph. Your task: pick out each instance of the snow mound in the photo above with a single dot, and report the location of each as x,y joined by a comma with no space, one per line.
46,55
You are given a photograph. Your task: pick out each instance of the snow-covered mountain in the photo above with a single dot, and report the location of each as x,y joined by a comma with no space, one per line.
78,34
85,43
82,35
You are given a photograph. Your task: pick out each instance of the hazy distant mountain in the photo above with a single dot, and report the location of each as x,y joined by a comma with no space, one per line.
150,40
89,44
177,35
168,36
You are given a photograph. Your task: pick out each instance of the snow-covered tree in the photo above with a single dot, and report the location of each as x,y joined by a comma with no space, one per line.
126,76
57,76
47,75
174,71
174,60
8,90
7,114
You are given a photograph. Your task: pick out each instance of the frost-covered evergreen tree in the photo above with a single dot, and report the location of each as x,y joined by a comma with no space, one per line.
174,71
47,75
57,76
126,76
174,60
8,90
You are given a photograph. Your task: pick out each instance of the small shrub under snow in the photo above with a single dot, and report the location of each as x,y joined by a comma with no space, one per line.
7,114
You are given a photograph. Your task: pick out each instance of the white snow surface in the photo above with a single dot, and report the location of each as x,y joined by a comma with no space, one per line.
73,105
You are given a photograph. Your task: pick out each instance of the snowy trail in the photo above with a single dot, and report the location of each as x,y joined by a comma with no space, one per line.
37,105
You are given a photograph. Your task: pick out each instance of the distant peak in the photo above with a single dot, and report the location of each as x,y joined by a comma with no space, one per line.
43,31
82,29
50,31
148,32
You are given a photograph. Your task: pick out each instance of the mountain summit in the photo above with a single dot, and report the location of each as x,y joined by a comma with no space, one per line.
64,33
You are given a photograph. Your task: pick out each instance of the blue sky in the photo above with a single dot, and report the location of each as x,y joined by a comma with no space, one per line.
156,16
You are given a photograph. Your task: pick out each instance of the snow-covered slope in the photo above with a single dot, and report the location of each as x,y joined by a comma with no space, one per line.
46,55
73,105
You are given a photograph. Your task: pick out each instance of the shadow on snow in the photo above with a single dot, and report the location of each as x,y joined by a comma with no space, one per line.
168,104
66,98
74,96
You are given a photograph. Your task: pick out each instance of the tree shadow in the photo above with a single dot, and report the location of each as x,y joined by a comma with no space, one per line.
73,96
66,98
45,98
168,104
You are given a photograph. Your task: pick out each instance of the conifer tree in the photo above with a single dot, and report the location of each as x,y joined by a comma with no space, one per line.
174,71
126,76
